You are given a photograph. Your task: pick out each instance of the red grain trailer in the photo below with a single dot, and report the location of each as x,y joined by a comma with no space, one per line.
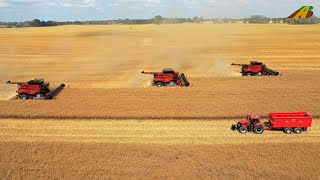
289,121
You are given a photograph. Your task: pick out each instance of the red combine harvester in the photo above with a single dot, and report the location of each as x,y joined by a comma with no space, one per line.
36,89
256,68
168,77
288,122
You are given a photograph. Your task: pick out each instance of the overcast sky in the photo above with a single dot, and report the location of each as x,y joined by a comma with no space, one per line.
62,10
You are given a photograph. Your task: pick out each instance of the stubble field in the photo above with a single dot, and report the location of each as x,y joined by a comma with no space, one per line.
101,67
145,149
109,123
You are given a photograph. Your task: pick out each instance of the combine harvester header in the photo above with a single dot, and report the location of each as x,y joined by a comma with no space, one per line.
256,68
36,89
168,77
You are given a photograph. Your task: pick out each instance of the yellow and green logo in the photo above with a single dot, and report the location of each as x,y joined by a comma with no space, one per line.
302,13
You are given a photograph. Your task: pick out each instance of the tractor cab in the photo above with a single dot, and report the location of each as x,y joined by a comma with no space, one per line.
250,119
253,119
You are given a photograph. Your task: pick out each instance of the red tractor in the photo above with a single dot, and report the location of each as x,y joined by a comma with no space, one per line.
256,68
287,122
251,124
168,77
36,89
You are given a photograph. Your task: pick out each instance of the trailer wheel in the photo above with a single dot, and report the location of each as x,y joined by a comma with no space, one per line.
159,84
243,129
23,96
258,129
297,130
248,74
259,73
288,130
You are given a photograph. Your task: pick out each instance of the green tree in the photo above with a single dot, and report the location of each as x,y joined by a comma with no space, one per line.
158,19
311,20
258,19
36,22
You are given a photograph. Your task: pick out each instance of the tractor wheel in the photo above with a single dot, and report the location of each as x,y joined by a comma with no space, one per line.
288,130
159,84
297,130
259,74
23,96
248,74
243,129
258,129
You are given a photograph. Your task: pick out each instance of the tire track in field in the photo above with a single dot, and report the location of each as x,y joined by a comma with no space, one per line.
133,117
152,131
122,117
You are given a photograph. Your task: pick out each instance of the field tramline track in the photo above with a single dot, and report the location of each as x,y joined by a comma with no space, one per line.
132,117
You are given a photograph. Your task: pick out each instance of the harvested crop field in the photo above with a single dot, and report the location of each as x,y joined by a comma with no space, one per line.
153,149
101,67
56,160
143,131
208,98
108,123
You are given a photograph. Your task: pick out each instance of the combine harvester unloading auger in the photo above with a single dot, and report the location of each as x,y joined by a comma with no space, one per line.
256,68
36,89
168,77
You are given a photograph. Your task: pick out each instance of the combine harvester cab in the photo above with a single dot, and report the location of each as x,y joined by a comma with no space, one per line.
36,89
256,68
168,77
287,122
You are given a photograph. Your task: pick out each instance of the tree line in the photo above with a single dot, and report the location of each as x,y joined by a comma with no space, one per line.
256,19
